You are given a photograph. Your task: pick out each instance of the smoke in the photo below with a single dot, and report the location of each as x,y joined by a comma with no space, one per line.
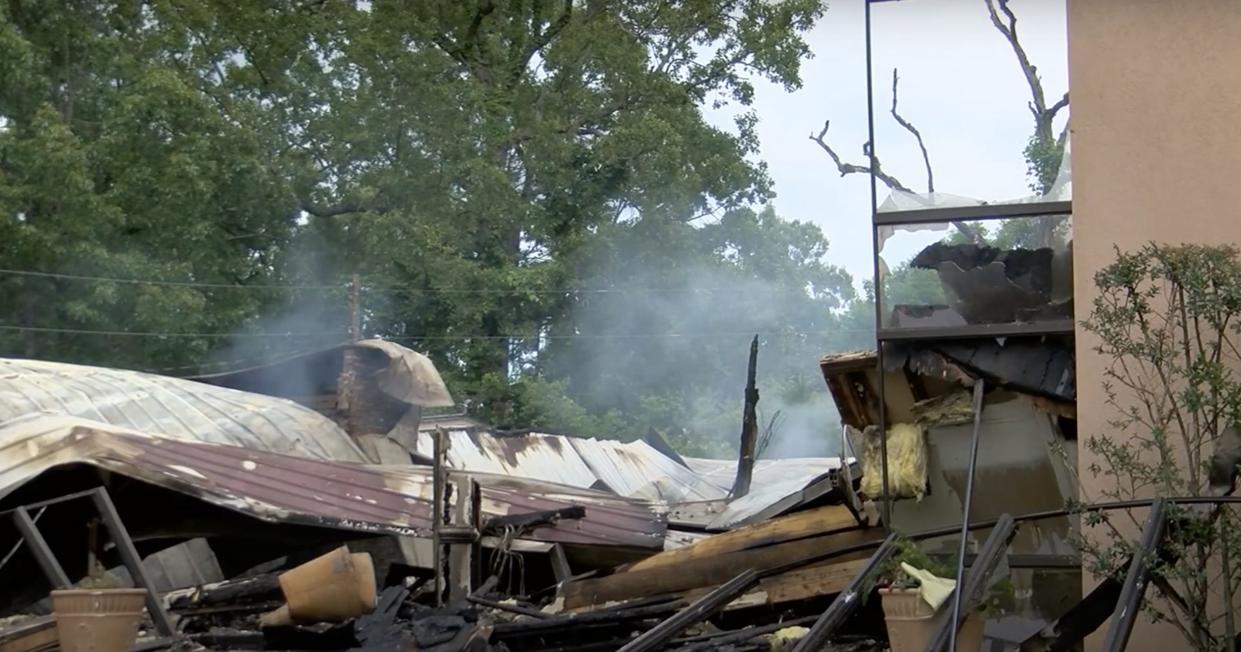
312,317
664,341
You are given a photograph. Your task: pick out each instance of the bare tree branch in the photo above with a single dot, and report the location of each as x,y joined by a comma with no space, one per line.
926,159
888,180
1007,26
849,168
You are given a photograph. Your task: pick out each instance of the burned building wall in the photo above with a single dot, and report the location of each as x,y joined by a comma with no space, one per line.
1155,90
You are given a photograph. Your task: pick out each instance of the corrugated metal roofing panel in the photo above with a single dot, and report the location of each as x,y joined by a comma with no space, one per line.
284,488
170,406
777,486
637,469
549,458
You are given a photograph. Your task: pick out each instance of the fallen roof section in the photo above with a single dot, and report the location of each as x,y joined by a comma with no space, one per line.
171,406
699,492
288,489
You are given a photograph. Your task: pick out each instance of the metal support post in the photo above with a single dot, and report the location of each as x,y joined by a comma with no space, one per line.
657,637
129,555
979,390
1134,588
39,548
847,601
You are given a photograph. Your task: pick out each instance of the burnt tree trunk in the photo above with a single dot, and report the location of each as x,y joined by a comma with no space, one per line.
749,427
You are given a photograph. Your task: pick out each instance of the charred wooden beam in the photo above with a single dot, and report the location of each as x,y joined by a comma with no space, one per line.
439,510
464,536
847,601
511,608
712,571
718,640
251,590
532,519
703,607
566,624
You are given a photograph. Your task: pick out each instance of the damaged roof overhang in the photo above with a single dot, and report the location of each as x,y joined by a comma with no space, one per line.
287,489
170,406
1040,367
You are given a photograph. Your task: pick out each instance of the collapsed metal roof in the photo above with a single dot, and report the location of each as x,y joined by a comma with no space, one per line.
699,491
171,406
289,489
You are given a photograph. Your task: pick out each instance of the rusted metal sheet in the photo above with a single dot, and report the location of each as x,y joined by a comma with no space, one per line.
170,406
636,470
550,458
288,489
778,486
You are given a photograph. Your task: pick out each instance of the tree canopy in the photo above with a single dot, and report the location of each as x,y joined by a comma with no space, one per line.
529,191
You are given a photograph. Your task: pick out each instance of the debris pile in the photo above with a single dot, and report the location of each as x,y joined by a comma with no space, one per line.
331,513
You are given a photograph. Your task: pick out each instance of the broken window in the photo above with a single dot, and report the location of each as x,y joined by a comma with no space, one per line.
951,273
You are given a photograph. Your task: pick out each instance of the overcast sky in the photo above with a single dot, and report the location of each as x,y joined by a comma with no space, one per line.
960,86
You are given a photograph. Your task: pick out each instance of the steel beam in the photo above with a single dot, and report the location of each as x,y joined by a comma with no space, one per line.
1134,588
129,555
979,390
42,553
976,581
846,601
657,637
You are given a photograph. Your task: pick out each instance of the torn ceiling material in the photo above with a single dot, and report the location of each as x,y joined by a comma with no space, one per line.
698,494
170,406
1043,366
292,490
367,387
403,374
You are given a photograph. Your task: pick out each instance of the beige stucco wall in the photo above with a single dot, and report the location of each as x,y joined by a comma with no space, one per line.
1155,87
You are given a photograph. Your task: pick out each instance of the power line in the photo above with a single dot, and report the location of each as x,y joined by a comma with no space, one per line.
136,281
418,338
86,331
376,288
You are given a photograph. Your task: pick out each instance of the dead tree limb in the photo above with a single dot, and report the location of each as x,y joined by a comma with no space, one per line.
1043,114
888,180
926,158
850,168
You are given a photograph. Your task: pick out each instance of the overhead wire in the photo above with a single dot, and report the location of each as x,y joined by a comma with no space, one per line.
403,338
411,289
115,333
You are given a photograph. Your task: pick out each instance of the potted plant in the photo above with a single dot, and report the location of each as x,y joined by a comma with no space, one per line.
98,616
910,620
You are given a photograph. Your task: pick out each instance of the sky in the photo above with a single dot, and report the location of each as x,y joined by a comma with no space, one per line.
960,85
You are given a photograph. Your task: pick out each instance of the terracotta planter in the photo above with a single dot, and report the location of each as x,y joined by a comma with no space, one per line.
911,623
98,620
332,588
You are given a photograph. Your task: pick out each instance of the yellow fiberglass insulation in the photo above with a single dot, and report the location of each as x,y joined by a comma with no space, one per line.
906,461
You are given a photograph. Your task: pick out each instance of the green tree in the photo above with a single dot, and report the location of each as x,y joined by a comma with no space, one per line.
1165,320
465,152
112,164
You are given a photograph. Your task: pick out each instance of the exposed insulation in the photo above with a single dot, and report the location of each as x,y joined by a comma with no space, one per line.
906,461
